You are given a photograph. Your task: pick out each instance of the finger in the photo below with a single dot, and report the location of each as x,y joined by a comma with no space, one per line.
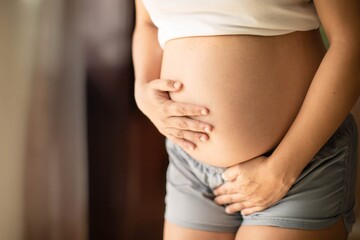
166,85
248,211
186,123
235,207
182,143
229,198
188,135
226,188
182,109
231,173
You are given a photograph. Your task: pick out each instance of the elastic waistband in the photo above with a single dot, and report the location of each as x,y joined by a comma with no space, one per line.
172,147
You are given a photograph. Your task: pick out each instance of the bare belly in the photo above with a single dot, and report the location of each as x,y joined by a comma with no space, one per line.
253,86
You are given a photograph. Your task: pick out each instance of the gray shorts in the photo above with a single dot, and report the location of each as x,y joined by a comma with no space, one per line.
323,193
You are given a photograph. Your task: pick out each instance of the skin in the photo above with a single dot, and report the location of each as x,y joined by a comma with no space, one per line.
253,95
335,232
332,93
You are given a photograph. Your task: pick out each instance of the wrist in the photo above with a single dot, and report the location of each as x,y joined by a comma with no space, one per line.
138,92
140,95
283,169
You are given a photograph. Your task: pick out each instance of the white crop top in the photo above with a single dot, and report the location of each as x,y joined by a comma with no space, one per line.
185,18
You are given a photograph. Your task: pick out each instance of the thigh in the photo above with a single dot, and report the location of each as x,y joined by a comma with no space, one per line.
335,232
175,232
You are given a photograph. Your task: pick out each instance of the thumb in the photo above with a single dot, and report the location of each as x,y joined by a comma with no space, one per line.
230,174
166,85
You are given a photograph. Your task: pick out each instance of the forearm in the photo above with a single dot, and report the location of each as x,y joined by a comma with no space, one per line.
147,57
332,94
147,54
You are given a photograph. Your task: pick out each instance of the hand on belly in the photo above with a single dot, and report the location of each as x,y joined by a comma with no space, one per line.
172,119
252,86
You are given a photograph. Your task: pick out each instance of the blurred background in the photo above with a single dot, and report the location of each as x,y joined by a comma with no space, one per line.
78,160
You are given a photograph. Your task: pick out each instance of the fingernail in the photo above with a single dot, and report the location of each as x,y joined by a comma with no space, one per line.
224,176
227,210
207,129
204,112
203,138
177,84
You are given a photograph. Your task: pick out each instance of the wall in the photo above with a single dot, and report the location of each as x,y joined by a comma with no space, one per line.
15,39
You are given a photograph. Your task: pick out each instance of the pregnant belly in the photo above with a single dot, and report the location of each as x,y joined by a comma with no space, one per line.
253,87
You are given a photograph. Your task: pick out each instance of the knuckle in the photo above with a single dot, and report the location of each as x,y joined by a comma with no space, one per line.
233,207
168,83
181,110
180,134
239,206
183,124
195,137
192,110
243,206
194,125
196,111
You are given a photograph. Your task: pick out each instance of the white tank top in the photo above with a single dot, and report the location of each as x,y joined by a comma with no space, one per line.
185,18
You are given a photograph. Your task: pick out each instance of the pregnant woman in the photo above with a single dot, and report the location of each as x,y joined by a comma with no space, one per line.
256,114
